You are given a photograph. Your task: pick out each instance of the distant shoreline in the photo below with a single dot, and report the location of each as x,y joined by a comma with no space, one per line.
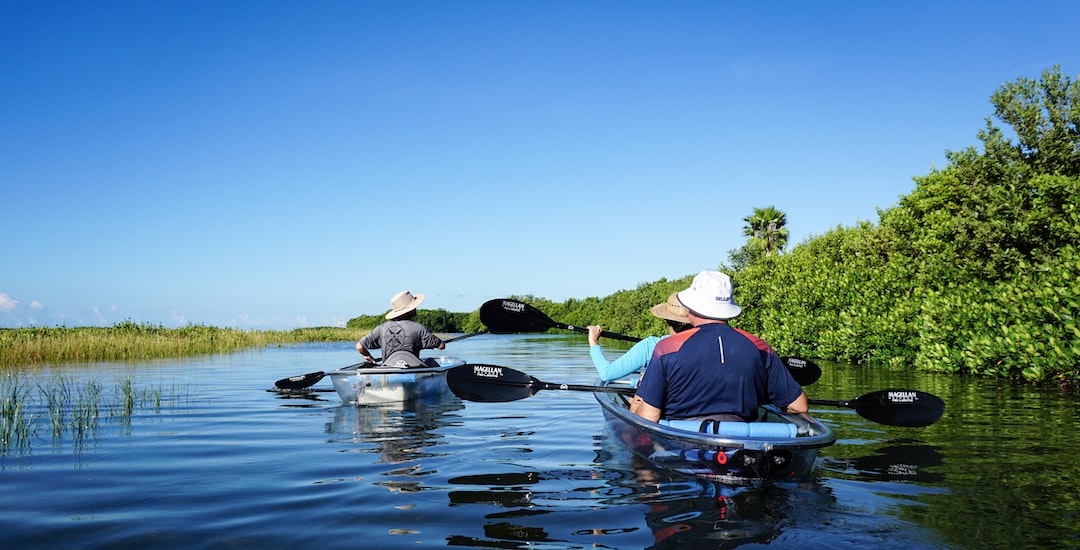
132,341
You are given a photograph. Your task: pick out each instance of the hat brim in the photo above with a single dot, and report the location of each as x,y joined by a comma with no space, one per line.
664,312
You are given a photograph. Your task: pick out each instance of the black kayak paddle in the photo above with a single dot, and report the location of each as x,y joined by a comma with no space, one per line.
497,384
302,381
506,316
893,407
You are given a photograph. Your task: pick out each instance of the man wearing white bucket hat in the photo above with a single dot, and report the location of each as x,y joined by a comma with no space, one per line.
400,332
714,370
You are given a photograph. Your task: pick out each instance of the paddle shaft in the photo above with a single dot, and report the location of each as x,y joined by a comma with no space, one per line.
464,336
497,384
539,385
846,403
603,333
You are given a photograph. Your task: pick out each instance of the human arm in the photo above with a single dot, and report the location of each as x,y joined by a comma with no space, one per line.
363,351
633,360
639,407
652,389
801,405
425,337
784,391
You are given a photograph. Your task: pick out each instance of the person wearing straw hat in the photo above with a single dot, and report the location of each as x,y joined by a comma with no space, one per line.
714,371
400,332
638,355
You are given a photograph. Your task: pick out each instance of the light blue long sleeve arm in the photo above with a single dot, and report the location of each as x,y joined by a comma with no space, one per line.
634,359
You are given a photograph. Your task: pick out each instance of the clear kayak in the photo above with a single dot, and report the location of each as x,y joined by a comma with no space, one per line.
402,377
777,446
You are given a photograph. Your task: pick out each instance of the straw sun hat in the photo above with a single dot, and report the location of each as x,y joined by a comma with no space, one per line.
402,303
671,310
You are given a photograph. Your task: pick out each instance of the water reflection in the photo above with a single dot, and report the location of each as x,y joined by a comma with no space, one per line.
897,460
712,519
401,433
314,397
679,512
691,512
522,504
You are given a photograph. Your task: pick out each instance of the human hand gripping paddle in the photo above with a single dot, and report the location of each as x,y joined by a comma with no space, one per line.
303,381
498,384
506,316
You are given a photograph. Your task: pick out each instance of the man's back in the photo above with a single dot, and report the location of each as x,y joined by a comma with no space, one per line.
715,369
406,335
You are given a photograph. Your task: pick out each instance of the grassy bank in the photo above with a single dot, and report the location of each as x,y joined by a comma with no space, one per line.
128,341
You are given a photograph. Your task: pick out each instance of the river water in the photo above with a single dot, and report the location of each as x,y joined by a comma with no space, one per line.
209,457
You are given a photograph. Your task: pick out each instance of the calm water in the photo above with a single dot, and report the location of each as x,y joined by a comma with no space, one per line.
225,463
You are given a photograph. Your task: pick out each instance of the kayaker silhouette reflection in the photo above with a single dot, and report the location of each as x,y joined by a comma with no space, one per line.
402,432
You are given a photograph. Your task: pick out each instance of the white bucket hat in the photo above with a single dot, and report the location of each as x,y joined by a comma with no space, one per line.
710,296
403,302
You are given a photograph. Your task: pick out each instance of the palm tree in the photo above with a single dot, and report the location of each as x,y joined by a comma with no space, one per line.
766,230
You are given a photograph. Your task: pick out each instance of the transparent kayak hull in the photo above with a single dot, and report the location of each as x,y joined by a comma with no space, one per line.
778,446
363,385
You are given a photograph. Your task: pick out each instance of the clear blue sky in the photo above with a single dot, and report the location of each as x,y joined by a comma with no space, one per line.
263,164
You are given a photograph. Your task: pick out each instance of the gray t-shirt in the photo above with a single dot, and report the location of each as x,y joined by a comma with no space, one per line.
407,335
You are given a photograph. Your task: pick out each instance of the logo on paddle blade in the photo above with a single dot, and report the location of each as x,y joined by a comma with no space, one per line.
516,307
902,397
487,371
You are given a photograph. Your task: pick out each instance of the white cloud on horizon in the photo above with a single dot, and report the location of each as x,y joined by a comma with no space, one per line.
7,303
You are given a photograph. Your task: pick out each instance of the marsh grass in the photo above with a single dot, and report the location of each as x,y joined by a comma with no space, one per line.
67,409
16,422
131,341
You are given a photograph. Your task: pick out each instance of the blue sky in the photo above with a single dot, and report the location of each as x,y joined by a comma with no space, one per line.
270,165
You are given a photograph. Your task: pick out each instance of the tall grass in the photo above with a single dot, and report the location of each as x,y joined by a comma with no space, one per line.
16,422
129,340
66,409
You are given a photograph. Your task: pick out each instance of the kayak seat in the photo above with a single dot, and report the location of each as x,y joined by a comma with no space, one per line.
766,430
403,360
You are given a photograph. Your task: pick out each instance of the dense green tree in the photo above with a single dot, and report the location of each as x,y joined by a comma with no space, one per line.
740,258
977,270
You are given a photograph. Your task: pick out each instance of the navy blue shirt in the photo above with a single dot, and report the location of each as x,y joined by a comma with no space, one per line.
715,369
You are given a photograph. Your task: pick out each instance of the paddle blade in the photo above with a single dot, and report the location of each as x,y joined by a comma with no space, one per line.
505,316
804,371
490,383
300,382
904,408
